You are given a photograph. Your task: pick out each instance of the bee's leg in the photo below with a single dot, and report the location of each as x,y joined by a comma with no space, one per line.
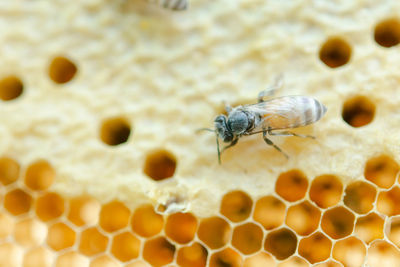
234,142
278,83
287,133
228,108
269,142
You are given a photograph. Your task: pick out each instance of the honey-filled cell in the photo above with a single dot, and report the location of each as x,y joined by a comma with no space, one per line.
293,261
39,175
38,256
393,232
158,251
9,170
60,236
369,227
7,223
387,202
92,242
270,212
350,251
30,232
281,243
381,253
315,248
84,211
125,246
215,232
247,238
382,171
360,196
303,218
146,222
104,261
194,255
49,206
326,190
114,216
259,259
17,202
226,257
292,185
236,206
337,222
181,227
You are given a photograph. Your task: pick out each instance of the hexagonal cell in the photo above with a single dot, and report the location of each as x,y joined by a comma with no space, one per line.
259,259
114,216
10,255
360,196
194,255
39,256
270,212
92,242
281,243
358,111
84,210
387,202
9,170
236,206
49,206
11,87
62,70
387,32
293,261
350,251
381,253
330,263
6,225
393,231
226,257
72,258
335,52
215,232
30,232
160,164
141,263
326,191
315,248
40,175
369,227
303,218
247,238
382,171
104,261
338,222
60,236
115,131
291,185
146,222
125,246
17,202
158,251
181,227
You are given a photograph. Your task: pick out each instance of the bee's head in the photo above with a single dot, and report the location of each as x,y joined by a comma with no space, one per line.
222,128
238,122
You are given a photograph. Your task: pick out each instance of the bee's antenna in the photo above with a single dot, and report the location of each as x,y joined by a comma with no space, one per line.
219,152
205,129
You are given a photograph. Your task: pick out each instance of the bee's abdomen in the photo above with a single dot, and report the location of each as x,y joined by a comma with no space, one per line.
309,110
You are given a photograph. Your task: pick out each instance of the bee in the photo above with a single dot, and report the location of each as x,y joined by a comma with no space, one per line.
172,4
269,117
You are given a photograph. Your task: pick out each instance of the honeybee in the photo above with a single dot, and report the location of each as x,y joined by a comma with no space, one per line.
172,4
267,117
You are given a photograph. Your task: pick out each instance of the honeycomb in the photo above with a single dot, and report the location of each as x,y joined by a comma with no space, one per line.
101,163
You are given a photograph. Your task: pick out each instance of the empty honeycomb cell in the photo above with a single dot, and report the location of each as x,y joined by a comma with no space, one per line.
71,259
382,171
292,185
337,222
11,87
9,170
393,232
141,263
83,210
387,32
39,175
350,251
303,218
360,196
226,257
259,259
315,248
369,227
335,52
146,222
104,261
160,165
329,263
326,191
114,216
247,238
358,111
60,236
381,253
158,251
281,243
387,202
6,225
293,261
30,232
17,202
49,206
215,232
92,242
125,246
38,256
115,131
270,212
11,255
62,70
194,255
236,206
181,227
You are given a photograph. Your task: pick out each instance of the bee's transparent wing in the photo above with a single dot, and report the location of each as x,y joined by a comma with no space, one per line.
271,89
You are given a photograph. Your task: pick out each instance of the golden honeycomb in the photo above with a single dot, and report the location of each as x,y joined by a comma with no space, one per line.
101,163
